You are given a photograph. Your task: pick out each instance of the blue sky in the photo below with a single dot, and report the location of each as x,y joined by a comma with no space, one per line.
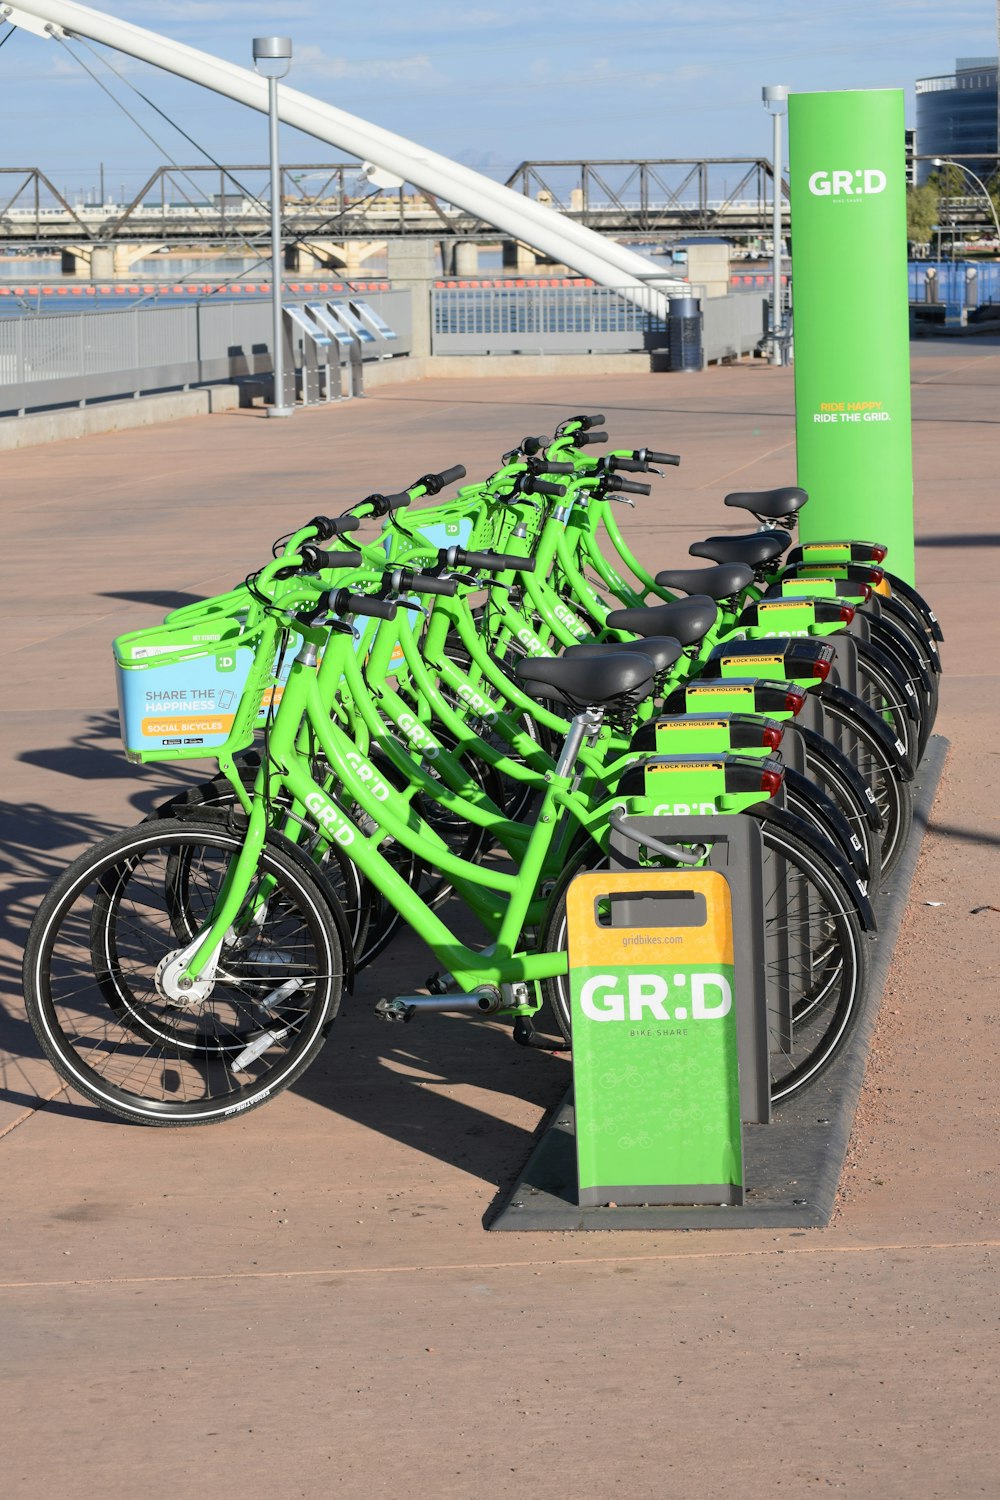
490,83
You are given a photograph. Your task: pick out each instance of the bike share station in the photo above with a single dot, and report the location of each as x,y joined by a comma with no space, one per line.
325,345
674,1008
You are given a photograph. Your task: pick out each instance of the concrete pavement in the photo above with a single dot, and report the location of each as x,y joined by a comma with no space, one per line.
304,1301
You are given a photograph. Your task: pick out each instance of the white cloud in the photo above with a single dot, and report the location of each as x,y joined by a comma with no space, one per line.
415,69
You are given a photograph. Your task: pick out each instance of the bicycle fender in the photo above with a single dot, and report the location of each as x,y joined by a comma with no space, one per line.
768,812
851,704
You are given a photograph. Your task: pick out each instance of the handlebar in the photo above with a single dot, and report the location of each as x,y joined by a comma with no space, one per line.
343,602
533,486
536,466
485,562
615,483
581,439
327,527
405,581
648,456
432,484
315,560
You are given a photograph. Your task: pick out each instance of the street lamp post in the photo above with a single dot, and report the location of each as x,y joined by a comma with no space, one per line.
272,58
774,96
946,161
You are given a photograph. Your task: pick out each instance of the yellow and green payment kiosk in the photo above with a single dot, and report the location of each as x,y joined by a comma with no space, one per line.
671,1024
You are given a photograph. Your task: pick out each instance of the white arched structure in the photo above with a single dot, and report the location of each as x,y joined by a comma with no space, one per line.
589,254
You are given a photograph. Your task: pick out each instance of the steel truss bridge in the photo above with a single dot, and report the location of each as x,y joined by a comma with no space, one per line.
332,202
627,199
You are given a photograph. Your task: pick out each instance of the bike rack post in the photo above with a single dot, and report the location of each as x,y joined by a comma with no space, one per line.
384,335
342,347
735,848
309,346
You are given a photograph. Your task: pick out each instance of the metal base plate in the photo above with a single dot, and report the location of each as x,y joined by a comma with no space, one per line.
792,1166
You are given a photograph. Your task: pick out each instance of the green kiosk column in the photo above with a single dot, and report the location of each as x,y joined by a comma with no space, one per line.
852,350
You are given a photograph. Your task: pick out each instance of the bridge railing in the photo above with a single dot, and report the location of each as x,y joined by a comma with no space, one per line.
75,358
576,318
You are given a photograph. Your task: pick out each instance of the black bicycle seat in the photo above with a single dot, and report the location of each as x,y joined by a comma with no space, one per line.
756,549
587,680
662,650
687,620
717,583
773,505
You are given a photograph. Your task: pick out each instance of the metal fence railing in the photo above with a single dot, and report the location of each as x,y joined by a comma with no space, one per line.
60,359
969,283
576,318
71,359
559,319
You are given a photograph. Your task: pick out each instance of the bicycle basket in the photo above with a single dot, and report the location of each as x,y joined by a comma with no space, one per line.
197,689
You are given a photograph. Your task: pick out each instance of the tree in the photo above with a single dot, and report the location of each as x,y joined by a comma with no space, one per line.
922,212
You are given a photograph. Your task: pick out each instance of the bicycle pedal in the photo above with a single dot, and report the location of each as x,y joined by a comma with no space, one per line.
394,1010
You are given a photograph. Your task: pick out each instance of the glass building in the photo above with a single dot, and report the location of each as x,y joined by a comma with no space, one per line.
957,116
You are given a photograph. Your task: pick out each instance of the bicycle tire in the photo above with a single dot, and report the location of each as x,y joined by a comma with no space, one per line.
335,869
90,977
833,772
803,890
883,686
865,746
900,635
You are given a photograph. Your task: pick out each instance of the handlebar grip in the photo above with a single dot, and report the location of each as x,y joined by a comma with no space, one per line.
533,486
343,602
326,527
531,445
382,504
456,472
630,465
434,483
559,468
581,439
427,583
662,458
406,581
588,422
486,562
315,560
629,486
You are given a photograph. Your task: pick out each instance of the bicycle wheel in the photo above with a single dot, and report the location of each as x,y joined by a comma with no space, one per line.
870,757
817,958
900,635
809,802
833,772
92,974
351,892
887,691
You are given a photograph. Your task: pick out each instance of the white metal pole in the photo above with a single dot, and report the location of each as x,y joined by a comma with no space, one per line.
774,96
777,328
272,56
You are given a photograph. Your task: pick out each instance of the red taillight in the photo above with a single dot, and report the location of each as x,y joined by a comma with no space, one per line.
876,576
770,782
821,668
773,735
847,613
878,552
866,592
794,699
